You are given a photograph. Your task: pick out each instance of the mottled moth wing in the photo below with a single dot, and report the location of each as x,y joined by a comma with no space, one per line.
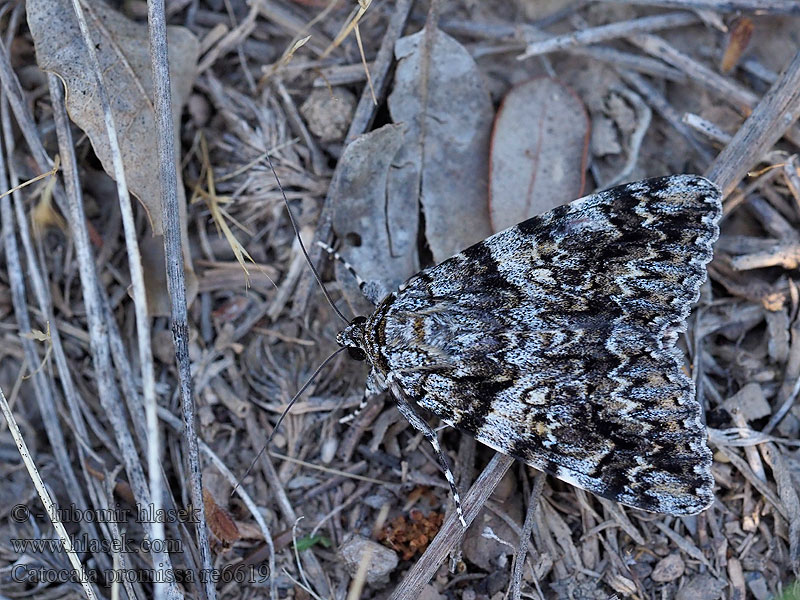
554,341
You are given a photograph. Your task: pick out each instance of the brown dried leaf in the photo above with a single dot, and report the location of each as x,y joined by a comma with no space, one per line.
749,402
231,309
122,48
669,568
440,95
539,149
219,521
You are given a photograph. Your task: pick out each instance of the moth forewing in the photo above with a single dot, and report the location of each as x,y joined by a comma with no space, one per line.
554,342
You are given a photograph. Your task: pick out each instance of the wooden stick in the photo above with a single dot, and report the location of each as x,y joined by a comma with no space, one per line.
777,111
611,31
774,7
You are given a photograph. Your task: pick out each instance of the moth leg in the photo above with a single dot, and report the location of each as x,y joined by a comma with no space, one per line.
409,412
361,406
372,389
370,292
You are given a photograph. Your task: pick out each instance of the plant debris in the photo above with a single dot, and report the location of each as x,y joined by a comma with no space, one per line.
377,118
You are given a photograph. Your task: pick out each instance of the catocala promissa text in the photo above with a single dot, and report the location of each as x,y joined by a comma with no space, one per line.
554,342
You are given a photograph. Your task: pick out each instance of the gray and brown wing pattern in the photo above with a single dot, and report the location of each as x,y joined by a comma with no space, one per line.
554,341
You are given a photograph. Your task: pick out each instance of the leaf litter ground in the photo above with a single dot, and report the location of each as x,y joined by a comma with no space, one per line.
663,96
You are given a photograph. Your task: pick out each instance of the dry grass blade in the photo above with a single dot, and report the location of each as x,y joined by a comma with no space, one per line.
46,499
221,217
286,58
351,24
299,84
53,171
357,585
364,62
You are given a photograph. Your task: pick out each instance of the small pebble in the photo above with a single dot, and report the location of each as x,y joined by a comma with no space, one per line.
329,447
329,114
757,585
382,560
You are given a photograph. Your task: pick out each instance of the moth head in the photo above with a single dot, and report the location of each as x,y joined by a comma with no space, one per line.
352,338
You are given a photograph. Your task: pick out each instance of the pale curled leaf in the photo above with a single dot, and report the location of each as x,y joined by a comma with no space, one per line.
44,337
290,51
122,48
440,95
738,39
539,150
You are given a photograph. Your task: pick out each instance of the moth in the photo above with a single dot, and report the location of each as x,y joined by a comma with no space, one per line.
554,342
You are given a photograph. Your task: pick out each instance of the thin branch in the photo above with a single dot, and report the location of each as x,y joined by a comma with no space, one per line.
47,500
527,527
727,89
777,111
611,31
773,7
165,136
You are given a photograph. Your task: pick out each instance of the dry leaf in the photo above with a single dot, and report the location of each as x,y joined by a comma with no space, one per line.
376,224
220,523
440,95
539,148
37,335
40,336
122,49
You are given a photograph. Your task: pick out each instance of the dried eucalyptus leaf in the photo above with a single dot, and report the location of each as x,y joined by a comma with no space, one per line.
539,150
377,227
439,93
122,49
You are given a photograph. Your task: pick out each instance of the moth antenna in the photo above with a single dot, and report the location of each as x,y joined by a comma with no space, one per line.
286,412
303,246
